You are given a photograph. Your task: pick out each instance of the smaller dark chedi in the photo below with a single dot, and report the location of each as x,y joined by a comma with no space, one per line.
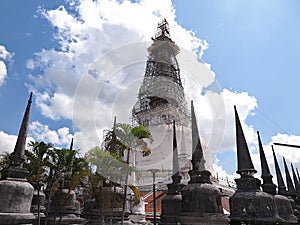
250,205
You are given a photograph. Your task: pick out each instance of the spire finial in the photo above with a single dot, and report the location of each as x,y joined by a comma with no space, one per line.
296,182
289,182
115,121
280,182
71,145
18,156
268,185
245,165
198,160
183,146
175,152
163,29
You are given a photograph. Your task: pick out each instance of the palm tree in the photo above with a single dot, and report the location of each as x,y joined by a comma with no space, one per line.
37,161
109,169
110,162
133,139
58,168
67,171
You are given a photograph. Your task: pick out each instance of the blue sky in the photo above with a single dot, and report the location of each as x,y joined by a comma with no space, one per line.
253,49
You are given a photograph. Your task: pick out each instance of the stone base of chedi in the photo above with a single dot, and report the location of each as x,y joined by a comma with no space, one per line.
64,209
105,208
201,202
250,205
15,201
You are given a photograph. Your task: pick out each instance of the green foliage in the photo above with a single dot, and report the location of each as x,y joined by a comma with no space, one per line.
113,145
108,164
133,137
37,161
141,132
4,161
57,167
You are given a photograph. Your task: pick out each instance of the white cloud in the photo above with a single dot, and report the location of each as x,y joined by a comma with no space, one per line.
8,142
104,43
41,132
60,105
291,154
4,56
3,72
98,69
38,132
215,116
245,105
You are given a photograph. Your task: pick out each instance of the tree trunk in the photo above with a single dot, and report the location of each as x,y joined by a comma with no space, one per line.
125,188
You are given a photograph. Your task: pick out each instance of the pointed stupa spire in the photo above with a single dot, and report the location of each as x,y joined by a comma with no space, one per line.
18,156
263,161
183,145
268,185
289,182
71,145
113,143
280,182
295,178
175,152
115,121
245,165
198,160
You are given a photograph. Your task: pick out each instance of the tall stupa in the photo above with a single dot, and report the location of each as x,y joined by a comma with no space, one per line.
161,100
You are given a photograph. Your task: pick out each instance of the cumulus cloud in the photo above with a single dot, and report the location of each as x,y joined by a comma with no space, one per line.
8,142
289,153
42,132
96,72
38,132
4,56
101,58
3,72
245,105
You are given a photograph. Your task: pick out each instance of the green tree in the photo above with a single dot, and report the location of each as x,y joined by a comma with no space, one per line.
67,168
111,161
4,161
133,138
38,161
